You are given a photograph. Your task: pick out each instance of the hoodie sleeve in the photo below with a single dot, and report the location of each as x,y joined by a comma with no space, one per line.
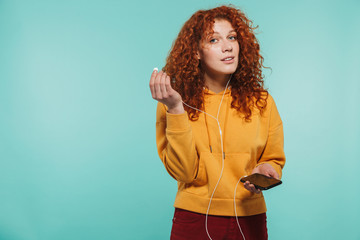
274,149
176,145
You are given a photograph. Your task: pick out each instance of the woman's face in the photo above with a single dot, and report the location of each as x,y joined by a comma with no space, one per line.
219,52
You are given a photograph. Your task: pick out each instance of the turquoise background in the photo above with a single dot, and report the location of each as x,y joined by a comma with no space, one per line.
78,158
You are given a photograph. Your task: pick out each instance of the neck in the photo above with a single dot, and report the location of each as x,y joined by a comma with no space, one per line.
216,83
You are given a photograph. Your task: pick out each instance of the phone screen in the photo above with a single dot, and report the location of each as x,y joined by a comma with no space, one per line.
261,181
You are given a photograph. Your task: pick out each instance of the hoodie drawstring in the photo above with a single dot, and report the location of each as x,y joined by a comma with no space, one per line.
225,123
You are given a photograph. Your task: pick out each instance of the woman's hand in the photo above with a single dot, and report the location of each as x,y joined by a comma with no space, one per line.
265,169
162,91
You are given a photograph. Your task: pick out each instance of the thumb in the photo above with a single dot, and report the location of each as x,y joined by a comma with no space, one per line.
255,170
273,174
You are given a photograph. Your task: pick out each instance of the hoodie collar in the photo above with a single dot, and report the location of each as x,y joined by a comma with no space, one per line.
209,92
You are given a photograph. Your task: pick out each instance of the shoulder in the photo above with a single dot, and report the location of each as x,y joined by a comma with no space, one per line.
269,105
270,97
272,110
262,104
270,100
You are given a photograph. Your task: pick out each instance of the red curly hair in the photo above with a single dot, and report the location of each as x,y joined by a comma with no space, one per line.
182,65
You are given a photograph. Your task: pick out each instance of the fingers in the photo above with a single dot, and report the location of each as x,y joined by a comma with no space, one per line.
169,89
164,93
267,170
156,88
159,85
158,94
152,82
250,187
274,174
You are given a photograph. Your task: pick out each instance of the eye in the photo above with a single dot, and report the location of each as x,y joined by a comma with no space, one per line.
232,38
213,40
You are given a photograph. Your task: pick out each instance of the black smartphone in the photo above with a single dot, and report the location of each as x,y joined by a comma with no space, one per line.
261,181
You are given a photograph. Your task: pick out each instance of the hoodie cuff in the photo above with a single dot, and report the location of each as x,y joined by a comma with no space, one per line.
177,122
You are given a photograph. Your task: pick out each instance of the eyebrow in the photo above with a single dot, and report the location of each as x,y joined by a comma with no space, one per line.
228,32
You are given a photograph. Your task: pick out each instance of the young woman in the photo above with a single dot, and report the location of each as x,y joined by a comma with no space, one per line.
215,124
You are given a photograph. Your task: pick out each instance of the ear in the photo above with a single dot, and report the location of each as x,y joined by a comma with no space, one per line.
198,55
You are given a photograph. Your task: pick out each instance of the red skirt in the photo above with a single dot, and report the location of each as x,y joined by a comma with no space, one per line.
190,225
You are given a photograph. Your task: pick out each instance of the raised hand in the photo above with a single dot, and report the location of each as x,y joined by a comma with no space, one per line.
162,91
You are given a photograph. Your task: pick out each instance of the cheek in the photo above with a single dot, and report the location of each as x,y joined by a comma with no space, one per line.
207,58
236,48
210,56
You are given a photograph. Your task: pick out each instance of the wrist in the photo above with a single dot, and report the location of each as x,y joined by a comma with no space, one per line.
179,109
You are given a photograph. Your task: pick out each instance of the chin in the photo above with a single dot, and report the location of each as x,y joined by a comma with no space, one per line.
229,71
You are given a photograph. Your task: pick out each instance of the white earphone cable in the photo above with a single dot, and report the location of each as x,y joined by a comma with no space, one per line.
237,220
222,164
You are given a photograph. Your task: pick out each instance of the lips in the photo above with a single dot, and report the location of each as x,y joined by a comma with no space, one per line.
228,59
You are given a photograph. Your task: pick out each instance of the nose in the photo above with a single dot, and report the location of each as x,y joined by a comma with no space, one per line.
227,47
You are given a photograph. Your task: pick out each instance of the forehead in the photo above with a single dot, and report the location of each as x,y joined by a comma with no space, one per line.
222,26
218,26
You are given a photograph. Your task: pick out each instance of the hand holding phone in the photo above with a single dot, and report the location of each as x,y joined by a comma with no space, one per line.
261,181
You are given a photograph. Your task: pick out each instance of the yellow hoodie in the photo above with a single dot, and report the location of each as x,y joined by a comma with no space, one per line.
184,148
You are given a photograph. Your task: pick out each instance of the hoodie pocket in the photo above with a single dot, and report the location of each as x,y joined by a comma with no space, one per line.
236,165
201,177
